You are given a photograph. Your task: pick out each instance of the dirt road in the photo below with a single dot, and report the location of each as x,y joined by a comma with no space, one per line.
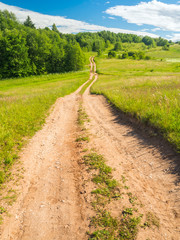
51,205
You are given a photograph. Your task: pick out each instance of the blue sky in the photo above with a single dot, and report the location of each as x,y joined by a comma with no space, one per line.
144,17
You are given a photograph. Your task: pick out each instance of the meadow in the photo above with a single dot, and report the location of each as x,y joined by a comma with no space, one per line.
147,90
24,105
172,54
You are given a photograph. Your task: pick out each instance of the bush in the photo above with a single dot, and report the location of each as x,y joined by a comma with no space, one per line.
147,58
141,55
166,48
124,55
111,54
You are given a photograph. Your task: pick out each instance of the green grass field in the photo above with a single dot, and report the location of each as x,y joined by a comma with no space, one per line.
148,90
173,53
24,104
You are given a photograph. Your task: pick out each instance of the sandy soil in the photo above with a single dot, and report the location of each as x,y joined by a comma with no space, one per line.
51,204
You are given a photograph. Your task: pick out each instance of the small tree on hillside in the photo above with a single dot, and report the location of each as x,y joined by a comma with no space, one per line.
117,46
29,23
54,28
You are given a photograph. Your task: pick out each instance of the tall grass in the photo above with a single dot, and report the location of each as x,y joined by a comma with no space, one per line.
148,90
174,52
24,104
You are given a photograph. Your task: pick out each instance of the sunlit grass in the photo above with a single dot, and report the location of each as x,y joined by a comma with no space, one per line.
173,52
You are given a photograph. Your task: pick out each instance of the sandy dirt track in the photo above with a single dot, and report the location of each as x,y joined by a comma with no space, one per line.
51,205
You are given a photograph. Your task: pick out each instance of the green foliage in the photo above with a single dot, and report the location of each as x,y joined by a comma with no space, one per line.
54,28
161,42
74,58
82,139
25,50
98,45
148,41
165,47
117,46
99,52
29,23
14,54
111,54
8,20
134,55
124,55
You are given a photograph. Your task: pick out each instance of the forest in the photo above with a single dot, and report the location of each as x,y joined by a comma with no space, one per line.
25,50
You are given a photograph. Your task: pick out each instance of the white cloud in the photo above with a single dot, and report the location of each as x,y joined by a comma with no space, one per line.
175,37
156,13
144,30
155,29
63,24
111,17
107,2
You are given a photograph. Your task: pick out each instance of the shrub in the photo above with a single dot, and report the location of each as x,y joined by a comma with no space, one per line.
111,54
166,48
124,55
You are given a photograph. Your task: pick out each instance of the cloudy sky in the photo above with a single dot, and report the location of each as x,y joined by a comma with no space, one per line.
142,17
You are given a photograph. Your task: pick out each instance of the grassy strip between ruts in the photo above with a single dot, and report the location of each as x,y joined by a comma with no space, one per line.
86,86
147,90
109,191
24,105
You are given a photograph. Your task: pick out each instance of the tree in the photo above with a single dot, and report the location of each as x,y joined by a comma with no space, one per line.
74,58
14,54
117,46
98,45
107,44
29,23
148,41
55,60
161,42
54,28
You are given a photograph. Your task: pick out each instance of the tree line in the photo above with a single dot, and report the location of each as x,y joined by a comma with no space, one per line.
25,50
